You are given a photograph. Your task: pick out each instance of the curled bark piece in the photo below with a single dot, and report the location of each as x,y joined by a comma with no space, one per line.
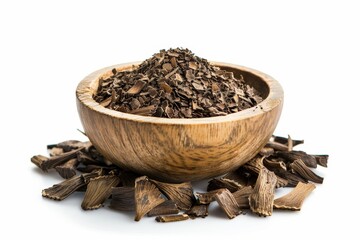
242,177
299,167
292,178
254,165
87,159
47,163
261,200
69,145
198,210
228,203
242,196
284,140
98,190
166,208
218,183
182,194
38,160
144,111
309,160
137,87
274,165
321,160
68,169
123,198
64,189
147,196
172,218
294,199
208,197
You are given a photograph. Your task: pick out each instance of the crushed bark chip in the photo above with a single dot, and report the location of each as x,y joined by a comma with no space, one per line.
294,199
198,210
172,218
182,194
147,196
98,190
166,208
68,169
123,198
228,203
261,200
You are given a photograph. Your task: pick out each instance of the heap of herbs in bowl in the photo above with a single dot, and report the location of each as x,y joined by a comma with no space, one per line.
177,117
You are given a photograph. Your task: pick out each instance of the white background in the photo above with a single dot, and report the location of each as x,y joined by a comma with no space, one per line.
47,47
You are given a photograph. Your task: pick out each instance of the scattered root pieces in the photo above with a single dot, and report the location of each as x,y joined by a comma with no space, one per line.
252,186
172,218
294,199
261,200
147,196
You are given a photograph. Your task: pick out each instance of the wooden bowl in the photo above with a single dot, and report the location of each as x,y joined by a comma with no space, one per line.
178,150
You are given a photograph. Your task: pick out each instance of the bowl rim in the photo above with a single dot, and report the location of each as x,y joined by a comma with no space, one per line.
87,86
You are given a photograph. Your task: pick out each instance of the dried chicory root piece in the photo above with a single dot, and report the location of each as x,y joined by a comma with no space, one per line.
198,210
299,167
166,208
69,145
208,197
255,165
147,196
68,169
219,183
66,188
172,218
228,203
321,159
98,190
286,141
46,163
294,199
261,200
123,198
242,196
291,156
182,194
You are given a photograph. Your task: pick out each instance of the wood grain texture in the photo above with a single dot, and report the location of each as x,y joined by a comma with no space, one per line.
178,150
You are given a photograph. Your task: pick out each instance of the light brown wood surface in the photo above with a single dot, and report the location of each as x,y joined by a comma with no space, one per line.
178,150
